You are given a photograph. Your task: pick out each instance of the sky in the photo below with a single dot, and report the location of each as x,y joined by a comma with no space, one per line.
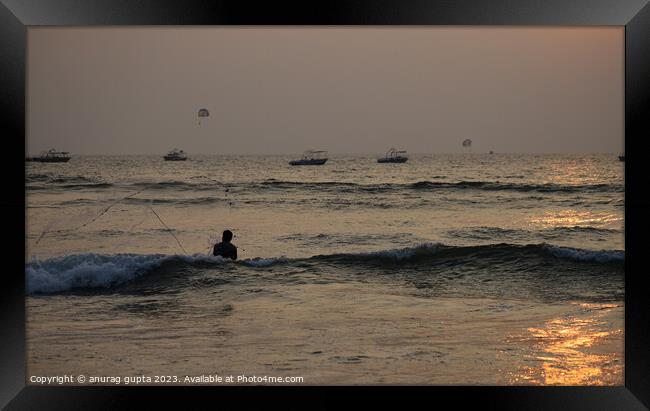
281,90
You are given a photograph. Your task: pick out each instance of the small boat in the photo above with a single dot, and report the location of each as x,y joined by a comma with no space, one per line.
394,156
176,155
621,158
51,156
311,158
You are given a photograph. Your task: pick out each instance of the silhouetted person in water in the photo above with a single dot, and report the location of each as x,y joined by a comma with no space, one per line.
225,248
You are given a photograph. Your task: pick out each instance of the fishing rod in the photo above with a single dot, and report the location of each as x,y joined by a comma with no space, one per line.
87,222
216,181
105,210
168,229
226,189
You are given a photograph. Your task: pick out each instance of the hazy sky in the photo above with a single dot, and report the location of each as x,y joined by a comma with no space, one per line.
346,90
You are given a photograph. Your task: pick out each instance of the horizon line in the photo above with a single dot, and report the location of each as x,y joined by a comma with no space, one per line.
347,153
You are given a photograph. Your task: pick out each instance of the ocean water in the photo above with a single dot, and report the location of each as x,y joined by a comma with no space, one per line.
448,269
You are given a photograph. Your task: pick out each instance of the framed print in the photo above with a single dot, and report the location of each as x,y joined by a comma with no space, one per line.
378,199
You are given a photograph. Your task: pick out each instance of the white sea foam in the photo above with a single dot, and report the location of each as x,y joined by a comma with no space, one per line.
602,256
95,270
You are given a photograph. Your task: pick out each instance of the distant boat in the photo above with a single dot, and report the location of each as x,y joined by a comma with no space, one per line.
622,158
311,158
176,155
394,156
51,156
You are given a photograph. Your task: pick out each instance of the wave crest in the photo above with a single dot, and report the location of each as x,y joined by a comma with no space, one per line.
576,254
105,271
96,270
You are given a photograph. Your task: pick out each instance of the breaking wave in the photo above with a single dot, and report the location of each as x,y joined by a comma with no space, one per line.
96,270
89,271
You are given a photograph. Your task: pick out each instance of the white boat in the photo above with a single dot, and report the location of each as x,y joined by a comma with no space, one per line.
176,155
394,156
311,158
51,156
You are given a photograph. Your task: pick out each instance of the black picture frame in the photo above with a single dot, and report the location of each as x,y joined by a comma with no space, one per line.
17,15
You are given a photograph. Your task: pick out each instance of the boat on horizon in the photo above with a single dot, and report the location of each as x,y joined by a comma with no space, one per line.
51,156
394,156
176,155
311,158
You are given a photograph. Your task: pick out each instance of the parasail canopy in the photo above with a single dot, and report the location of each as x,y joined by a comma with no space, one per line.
204,112
467,143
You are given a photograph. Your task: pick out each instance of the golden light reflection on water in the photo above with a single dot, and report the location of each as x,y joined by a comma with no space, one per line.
571,172
572,218
574,350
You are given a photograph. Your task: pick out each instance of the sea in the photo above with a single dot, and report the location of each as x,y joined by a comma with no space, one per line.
449,269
